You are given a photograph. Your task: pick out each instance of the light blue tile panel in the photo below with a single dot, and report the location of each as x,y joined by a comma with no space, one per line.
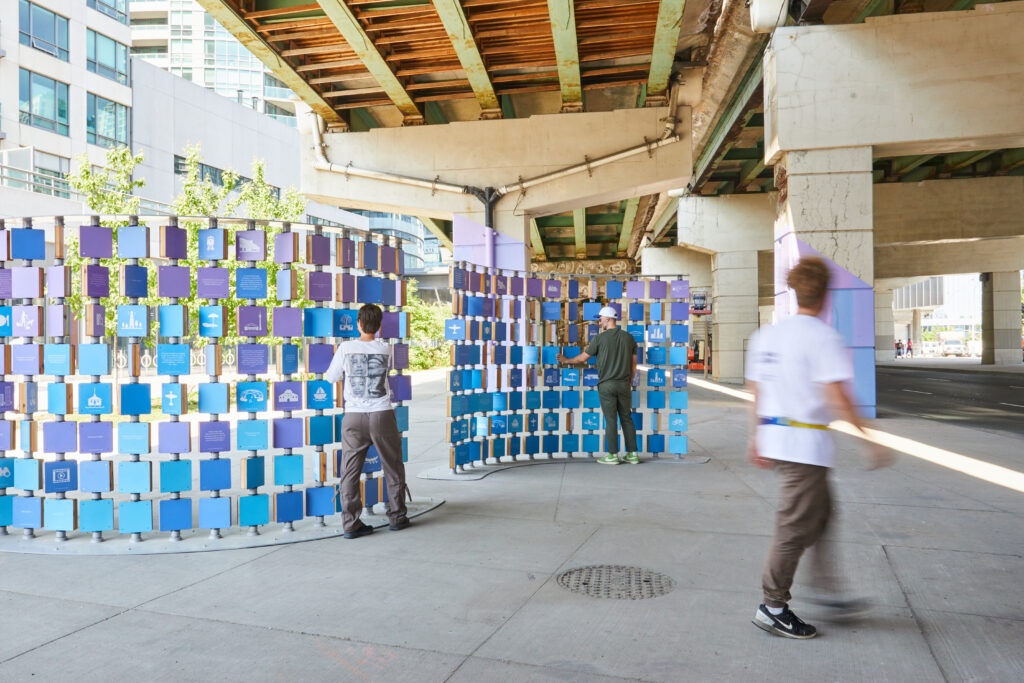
27,513
320,501
254,510
27,473
94,476
677,400
134,477
135,516
214,513
6,510
96,515
59,515
287,470
175,515
175,477
677,444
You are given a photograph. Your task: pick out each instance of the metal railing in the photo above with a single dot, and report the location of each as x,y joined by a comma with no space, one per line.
286,120
41,183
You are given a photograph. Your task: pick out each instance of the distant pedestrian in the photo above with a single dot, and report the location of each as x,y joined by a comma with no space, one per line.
797,370
615,350
910,348
896,347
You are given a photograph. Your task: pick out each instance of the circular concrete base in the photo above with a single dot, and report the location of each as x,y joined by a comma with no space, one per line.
197,540
479,471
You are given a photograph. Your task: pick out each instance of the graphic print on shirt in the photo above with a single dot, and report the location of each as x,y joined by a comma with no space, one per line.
367,375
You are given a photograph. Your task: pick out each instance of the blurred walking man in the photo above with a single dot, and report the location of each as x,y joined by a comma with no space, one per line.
797,371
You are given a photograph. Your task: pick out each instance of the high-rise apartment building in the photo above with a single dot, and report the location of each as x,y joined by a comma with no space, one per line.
178,35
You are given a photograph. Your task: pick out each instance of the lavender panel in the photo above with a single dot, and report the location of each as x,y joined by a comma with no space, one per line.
97,281
287,322
250,245
284,247
318,250
400,356
319,356
95,241
252,321
680,289
534,287
658,289
212,283
173,281
635,289
5,284
56,282
346,253
318,286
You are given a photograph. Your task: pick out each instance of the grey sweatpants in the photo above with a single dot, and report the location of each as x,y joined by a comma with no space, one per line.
358,432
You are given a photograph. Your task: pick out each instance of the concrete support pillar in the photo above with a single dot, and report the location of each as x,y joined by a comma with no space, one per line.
915,328
825,209
733,311
885,341
1000,318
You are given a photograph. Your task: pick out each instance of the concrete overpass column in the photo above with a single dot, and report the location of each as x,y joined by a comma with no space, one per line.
915,328
885,341
1000,318
825,208
734,311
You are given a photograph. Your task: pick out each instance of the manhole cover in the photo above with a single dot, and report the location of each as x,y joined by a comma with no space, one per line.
616,581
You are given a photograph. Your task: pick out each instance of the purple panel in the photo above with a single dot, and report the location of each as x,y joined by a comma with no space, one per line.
214,437
212,283
55,281
96,437
401,387
253,359
99,314
458,278
6,396
370,251
553,289
25,359
318,286
387,259
25,282
288,433
346,253
284,247
400,356
348,288
574,289
863,317
95,241
5,284
318,250
515,286
287,395
534,287
287,322
635,289
500,285
680,311
252,321
470,241
57,320
389,325
59,437
173,281
680,289
175,242
389,292
250,245
658,289
319,356
25,321
97,281
172,437
475,282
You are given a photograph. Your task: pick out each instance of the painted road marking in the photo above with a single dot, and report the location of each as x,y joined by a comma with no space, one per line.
936,379
1013,387
1013,405
918,392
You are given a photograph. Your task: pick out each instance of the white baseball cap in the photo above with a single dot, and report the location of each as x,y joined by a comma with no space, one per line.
608,312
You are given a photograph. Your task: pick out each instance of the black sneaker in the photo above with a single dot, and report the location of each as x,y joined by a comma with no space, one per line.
787,624
361,530
842,609
401,524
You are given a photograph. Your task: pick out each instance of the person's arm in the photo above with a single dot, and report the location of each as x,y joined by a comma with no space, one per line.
632,374
753,455
581,358
336,371
840,402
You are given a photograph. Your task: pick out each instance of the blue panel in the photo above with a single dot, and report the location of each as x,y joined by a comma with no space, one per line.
677,355
136,399
590,377
175,476
96,515
288,470
590,443
133,438
321,430
590,420
288,506
251,283
57,399
172,359
636,312
655,443
172,320
253,510
133,477
132,321
57,359
637,331
591,399
570,377
531,445
570,443
677,444
656,313
7,510
550,443
550,422
94,476
252,396
551,310
677,422
319,501
60,476
677,400
680,334
254,472
655,377
549,355
570,399
550,400
28,243
94,399
59,515
27,474
215,475
317,322
6,473
175,515
638,421
214,513
133,242
213,398
135,516
864,377
613,289
655,400
93,359
252,435
27,513
211,244
532,400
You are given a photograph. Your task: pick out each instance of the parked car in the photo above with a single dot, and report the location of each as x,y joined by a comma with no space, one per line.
929,348
953,347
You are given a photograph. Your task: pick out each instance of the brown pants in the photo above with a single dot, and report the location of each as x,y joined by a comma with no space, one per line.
803,515
358,431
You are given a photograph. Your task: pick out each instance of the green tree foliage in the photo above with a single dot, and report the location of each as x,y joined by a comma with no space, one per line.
105,191
427,348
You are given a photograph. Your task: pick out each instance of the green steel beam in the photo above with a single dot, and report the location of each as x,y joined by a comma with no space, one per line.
535,241
461,35
563,31
626,233
964,159
663,55
961,5
1010,159
361,43
743,154
579,224
905,165
234,24
871,9
661,225
508,107
362,120
433,114
436,228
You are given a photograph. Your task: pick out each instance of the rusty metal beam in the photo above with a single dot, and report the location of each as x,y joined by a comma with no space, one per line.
563,31
461,35
663,54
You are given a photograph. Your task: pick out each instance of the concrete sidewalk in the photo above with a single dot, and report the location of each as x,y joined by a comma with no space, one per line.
950,365
468,594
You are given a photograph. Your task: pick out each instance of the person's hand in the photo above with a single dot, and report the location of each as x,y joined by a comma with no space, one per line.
757,459
878,456
561,358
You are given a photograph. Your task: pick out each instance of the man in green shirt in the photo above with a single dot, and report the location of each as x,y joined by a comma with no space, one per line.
615,350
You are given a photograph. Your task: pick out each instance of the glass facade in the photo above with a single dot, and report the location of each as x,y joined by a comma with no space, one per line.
106,57
43,102
106,122
116,9
42,29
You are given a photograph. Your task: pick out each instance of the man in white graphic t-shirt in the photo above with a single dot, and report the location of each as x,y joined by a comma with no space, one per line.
369,419
798,370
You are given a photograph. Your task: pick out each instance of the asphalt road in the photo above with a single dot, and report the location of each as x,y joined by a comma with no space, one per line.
982,401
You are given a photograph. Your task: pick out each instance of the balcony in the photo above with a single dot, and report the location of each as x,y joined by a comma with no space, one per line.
286,120
271,92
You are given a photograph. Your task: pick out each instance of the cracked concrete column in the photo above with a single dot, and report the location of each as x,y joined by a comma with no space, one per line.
885,339
1000,318
732,229
825,208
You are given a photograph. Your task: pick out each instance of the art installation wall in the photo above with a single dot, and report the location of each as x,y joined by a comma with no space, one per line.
509,397
99,455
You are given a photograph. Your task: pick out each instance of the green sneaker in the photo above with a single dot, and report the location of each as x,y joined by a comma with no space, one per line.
632,459
610,459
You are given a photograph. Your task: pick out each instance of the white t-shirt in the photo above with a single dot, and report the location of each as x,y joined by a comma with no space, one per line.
790,362
364,365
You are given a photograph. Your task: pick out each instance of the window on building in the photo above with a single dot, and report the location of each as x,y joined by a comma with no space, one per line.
150,50
118,9
43,102
42,29
106,57
106,122
50,171
149,21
